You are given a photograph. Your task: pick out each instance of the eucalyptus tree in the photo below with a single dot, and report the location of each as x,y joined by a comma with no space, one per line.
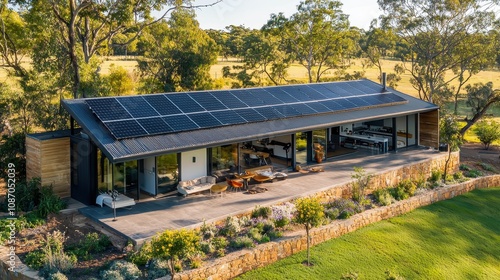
480,97
440,36
178,55
317,36
85,28
15,42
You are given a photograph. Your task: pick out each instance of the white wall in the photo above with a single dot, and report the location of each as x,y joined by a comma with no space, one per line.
191,170
148,178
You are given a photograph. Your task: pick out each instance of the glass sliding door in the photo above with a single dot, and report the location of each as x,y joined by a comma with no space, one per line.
132,179
168,173
301,148
319,141
104,173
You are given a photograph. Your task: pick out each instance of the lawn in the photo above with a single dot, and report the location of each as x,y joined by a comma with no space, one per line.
453,239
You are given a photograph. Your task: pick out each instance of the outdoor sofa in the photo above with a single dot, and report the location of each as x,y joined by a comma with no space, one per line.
196,185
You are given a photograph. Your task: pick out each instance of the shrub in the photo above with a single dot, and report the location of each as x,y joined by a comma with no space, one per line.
474,173
125,270
343,204
207,247
208,231
220,243
28,195
282,214
487,132
195,260
242,242
92,243
459,176
265,239
56,258
487,167
274,234
403,190
49,202
346,214
281,223
158,269
464,167
436,175
361,181
142,256
57,276
231,227
383,197
332,213
35,259
29,220
263,212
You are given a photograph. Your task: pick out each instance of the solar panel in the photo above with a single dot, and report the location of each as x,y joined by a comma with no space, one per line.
185,102
297,92
125,129
280,94
373,100
318,107
304,109
250,115
395,98
180,123
229,100
204,120
207,101
155,125
108,109
266,97
137,107
249,98
228,117
162,104
346,103
287,111
314,94
339,89
359,102
332,105
323,90
269,113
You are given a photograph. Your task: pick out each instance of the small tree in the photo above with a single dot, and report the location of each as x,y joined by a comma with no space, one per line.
360,183
174,245
487,132
310,213
450,135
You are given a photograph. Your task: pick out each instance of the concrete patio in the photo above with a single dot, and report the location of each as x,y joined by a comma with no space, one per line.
149,217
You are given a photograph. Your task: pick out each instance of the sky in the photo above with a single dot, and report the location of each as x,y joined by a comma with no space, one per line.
255,13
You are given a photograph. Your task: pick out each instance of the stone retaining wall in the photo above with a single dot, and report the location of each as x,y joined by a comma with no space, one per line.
240,262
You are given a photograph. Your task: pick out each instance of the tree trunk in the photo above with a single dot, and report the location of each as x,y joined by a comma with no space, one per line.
446,163
308,246
71,50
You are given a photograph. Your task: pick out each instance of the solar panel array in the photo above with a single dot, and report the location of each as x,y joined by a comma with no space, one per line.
143,115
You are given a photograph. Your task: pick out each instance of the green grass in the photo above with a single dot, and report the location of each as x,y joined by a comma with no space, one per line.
453,239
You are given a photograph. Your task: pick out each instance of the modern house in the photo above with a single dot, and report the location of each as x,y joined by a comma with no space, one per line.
146,144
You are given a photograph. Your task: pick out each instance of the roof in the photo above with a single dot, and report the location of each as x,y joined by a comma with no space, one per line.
98,123
50,135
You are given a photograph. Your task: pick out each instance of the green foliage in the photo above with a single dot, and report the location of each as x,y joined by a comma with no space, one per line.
220,243
208,231
464,167
242,242
261,212
487,167
121,269
142,256
157,269
55,257
345,207
436,176
175,244
474,173
28,195
310,213
361,181
92,243
332,213
383,197
487,132
404,190
49,202
57,276
13,151
231,227
35,259
29,220
417,238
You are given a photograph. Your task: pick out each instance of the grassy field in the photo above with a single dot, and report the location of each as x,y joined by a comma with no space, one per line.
453,239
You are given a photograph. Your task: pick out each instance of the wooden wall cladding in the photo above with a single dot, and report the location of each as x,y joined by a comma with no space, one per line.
50,160
429,129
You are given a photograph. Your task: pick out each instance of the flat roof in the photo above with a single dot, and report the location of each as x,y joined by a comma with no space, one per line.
279,110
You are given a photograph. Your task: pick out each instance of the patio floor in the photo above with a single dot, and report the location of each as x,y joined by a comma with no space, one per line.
146,218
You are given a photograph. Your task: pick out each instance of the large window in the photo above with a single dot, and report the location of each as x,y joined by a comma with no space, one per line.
319,144
168,172
104,175
301,148
224,158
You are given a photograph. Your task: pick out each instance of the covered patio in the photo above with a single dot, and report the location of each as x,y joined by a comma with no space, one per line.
149,217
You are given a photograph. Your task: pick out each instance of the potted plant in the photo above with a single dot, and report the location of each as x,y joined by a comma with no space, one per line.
319,152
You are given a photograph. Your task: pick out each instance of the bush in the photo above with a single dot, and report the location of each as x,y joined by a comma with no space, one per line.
57,276
231,227
255,234
158,269
29,220
436,175
404,190
474,173
208,231
283,214
242,242
332,213
383,197
125,270
274,234
28,195
49,202
360,183
487,132
92,243
261,212
56,258
35,259
343,204
487,167
346,214
458,176
281,223
142,256
464,167
220,243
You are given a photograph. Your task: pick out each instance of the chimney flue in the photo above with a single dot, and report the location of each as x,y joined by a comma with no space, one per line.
384,81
